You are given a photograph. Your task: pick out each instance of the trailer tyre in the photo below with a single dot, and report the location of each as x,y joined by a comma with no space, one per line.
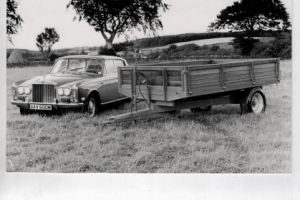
201,109
255,102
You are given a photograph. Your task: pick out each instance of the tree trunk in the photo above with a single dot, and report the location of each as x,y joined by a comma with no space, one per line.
110,40
108,44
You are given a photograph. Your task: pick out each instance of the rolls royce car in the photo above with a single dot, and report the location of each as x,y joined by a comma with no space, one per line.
77,81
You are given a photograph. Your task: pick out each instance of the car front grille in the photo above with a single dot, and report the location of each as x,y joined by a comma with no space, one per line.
43,93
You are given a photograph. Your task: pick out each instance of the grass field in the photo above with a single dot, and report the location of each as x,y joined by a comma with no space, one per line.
220,141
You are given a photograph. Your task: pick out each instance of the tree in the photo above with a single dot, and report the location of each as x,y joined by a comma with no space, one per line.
46,40
13,20
252,17
114,17
214,48
172,48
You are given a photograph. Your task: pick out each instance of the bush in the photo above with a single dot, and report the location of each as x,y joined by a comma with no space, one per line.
280,47
260,50
214,48
172,47
53,57
106,51
244,44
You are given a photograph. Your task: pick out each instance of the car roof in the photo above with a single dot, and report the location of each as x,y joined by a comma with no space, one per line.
92,57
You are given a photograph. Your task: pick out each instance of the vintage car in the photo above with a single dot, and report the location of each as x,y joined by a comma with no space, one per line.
77,81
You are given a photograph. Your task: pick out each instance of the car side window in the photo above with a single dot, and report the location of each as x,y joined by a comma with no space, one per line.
95,66
110,67
119,63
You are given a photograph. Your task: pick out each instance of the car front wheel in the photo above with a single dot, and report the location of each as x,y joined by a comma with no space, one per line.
92,106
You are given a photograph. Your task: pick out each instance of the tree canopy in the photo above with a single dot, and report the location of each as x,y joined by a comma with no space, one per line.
46,40
116,17
252,17
13,20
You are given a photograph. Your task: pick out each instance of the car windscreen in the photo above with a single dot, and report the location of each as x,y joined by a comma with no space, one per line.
77,66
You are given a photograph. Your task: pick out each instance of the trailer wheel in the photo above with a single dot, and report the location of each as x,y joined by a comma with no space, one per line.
201,109
254,102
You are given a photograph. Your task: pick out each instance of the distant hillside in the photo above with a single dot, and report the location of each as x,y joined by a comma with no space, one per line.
162,42
171,39
223,43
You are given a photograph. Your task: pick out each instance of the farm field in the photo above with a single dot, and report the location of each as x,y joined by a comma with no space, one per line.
222,42
219,141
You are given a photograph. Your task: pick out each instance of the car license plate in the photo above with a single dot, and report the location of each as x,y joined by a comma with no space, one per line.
40,107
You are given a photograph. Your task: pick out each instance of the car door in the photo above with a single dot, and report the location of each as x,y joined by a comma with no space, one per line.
96,69
120,63
111,80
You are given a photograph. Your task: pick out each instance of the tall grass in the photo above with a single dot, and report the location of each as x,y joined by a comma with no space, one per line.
219,141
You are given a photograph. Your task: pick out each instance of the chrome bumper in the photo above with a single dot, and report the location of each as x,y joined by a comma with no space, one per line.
55,106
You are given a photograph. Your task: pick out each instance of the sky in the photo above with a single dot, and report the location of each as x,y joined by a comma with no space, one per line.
189,16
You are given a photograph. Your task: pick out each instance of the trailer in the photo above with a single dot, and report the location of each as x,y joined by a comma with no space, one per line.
196,85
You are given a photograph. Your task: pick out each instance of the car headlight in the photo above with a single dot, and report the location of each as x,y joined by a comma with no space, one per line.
64,91
27,90
67,91
60,91
20,90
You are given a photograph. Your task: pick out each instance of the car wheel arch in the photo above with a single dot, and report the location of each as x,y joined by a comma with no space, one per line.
96,94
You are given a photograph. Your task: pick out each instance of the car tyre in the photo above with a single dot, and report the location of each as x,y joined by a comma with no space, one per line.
92,106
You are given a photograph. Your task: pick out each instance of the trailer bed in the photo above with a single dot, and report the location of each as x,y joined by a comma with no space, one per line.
168,82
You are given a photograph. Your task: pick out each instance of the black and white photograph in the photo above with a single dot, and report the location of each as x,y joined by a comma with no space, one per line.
126,93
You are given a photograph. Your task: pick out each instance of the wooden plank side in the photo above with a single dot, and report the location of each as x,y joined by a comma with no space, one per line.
267,70
204,77
173,73
157,88
126,82
174,83
267,81
262,74
174,78
237,73
183,63
237,77
204,81
170,96
150,73
204,71
262,78
236,68
268,65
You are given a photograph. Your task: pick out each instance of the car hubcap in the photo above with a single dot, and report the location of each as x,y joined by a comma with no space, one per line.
257,103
